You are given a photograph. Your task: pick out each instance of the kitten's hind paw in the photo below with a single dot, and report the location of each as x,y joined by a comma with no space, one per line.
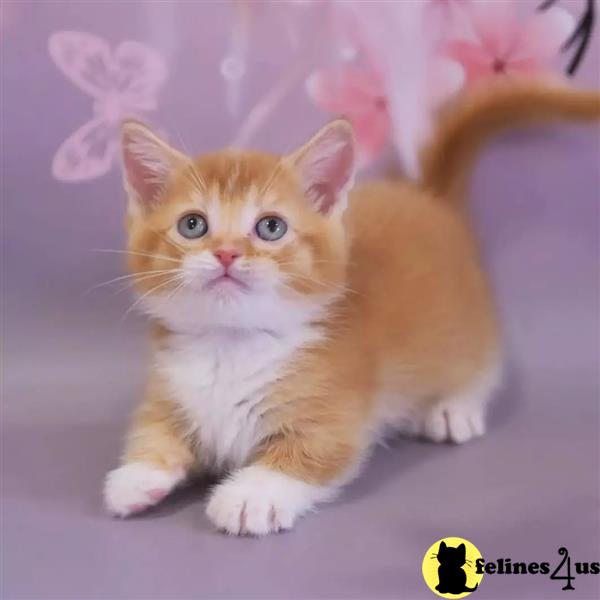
134,487
454,423
460,417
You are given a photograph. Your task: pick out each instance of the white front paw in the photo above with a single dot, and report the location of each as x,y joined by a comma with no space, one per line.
256,500
135,487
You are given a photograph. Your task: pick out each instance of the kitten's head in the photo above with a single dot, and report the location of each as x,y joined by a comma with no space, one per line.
452,557
237,239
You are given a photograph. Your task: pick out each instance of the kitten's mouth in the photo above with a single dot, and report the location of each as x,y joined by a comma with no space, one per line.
226,279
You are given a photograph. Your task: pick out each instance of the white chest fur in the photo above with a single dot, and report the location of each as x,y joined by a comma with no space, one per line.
220,380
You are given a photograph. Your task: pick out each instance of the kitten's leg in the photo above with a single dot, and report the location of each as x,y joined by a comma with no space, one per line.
460,417
291,473
156,459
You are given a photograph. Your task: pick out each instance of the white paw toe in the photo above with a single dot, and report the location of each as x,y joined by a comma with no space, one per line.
135,487
258,501
454,423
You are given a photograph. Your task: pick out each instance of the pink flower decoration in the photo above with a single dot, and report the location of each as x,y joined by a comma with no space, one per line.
446,18
358,93
503,44
123,83
401,79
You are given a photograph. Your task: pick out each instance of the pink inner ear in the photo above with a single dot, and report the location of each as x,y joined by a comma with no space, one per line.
140,178
147,163
326,166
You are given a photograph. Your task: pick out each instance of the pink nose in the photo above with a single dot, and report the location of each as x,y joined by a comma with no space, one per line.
226,257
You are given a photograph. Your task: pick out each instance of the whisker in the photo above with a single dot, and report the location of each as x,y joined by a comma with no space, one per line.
142,278
134,253
193,170
150,291
288,287
271,179
144,274
317,262
176,290
325,284
329,288
171,242
197,178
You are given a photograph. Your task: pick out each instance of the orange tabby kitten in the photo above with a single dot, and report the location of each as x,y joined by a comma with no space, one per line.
291,330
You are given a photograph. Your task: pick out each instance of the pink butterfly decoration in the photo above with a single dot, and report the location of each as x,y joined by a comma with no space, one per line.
502,43
123,83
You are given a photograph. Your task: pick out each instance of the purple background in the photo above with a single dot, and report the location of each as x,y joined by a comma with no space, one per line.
72,370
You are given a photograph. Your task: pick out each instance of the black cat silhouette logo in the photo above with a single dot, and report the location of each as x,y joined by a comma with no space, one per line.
449,568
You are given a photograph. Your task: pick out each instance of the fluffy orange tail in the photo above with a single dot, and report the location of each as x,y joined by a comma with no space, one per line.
468,123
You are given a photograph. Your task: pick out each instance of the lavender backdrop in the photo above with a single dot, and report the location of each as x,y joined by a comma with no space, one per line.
72,370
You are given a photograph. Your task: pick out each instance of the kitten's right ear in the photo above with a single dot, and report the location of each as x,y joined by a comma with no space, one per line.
148,163
325,166
442,546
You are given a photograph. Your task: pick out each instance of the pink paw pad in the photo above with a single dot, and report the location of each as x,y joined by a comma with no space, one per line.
137,507
157,494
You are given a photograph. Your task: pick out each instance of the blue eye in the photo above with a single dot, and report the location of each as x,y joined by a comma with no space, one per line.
192,226
271,229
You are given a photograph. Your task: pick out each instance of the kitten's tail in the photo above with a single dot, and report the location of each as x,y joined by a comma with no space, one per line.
468,589
463,128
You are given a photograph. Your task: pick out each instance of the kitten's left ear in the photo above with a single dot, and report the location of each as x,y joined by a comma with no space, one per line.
325,166
149,163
